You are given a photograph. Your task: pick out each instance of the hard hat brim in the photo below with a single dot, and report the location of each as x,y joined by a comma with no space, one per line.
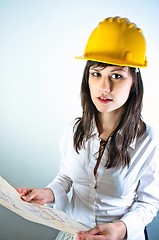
116,62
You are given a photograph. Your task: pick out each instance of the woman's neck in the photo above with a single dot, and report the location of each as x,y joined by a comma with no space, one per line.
107,123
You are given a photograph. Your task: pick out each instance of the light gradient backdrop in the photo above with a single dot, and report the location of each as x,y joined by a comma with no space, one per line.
40,84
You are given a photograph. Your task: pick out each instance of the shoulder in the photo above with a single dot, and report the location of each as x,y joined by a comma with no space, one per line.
148,139
152,133
152,140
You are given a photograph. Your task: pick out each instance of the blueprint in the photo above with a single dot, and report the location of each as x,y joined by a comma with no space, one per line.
51,217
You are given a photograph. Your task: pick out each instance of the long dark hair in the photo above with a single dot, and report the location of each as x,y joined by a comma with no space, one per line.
130,126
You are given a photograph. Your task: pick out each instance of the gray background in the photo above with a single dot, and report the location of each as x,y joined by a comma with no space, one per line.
40,83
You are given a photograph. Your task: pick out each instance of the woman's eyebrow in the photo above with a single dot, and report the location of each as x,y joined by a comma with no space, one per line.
95,68
118,69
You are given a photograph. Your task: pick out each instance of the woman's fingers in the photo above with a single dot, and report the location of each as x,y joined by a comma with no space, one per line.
29,194
92,237
24,191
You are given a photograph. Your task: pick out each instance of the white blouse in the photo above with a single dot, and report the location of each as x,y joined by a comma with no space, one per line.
129,194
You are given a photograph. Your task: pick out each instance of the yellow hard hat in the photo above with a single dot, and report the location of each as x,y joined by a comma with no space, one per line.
117,41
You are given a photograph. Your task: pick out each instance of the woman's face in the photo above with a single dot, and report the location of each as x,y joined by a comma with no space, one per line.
109,87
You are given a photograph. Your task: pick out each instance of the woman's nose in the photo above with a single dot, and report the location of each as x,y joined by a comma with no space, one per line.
105,85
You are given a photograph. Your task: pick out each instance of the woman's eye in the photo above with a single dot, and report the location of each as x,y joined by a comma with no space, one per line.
96,74
116,76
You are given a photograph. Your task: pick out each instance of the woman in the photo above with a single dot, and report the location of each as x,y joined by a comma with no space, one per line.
109,155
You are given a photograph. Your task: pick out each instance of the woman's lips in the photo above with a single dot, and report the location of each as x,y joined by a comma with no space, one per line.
104,99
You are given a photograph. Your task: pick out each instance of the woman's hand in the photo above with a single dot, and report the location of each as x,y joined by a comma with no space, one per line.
36,195
108,231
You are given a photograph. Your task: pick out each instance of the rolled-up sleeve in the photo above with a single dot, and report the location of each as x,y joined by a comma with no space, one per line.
60,193
62,183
